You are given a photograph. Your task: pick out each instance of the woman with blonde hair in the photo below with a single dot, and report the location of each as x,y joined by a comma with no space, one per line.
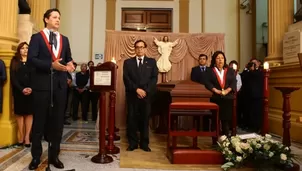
20,73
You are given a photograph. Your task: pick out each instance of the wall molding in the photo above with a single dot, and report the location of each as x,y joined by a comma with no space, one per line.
202,16
91,29
238,32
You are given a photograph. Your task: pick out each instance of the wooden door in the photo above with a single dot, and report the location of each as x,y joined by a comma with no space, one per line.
150,20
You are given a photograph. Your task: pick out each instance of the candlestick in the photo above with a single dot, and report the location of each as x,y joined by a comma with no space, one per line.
113,60
264,129
234,114
266,65
286,92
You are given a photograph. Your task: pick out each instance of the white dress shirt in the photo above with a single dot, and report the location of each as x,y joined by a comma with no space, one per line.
239,82
58,37
137,60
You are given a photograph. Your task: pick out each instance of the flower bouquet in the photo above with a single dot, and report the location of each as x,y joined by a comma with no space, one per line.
260,152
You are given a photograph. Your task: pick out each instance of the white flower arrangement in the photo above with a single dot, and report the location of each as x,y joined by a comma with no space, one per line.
259,152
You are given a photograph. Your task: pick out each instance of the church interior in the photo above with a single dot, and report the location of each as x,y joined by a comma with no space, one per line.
268,31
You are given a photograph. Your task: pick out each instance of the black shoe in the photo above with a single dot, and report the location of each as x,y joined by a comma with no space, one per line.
67,123
27,145
57,163
131,148
34,164
146,148
19,144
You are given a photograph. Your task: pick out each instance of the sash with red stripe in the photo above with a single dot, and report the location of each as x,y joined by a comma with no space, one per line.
49,48
221,82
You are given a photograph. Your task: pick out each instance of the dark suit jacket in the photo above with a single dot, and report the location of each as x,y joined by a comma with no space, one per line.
39,57
212,82
197,75
254,84
133,78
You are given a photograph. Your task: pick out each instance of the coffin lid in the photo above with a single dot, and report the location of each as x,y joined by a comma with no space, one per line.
185,88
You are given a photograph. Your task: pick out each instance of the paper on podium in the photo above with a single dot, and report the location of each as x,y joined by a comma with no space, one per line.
102,78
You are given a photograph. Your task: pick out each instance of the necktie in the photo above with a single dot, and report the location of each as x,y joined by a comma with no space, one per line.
55,40
140,64
202,69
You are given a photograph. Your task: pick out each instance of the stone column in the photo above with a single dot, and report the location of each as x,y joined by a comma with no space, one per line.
8,42
38,8
280,16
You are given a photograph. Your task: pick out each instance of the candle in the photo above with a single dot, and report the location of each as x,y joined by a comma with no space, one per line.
235,67
113,60
266,66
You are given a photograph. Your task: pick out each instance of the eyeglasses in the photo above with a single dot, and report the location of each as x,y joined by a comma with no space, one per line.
139,47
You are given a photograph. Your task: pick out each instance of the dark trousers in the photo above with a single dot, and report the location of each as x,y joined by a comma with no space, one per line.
138,120
68,92
46,123
225,116
255,114
93,98
76,99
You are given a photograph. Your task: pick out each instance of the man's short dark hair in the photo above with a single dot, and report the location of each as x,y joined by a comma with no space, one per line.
48,13
138,41
75,64
203,55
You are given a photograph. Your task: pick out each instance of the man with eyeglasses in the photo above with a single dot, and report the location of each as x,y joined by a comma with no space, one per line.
140,78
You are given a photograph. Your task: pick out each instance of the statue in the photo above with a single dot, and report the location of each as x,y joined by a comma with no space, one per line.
298,15
2,80
23,7
164,48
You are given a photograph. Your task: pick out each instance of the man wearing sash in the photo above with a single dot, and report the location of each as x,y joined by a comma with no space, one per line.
49,61
222,82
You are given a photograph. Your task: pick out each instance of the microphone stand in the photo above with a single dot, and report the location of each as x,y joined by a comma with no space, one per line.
51,42
51,97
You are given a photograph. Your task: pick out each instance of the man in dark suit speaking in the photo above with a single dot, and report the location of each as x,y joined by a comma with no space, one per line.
49,62
140,78
198,72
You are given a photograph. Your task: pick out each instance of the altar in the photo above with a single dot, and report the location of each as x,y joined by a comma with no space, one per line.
120,46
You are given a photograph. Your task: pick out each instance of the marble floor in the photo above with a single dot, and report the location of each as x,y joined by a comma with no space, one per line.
80,143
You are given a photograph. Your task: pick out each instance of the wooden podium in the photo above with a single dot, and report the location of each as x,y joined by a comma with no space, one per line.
103,79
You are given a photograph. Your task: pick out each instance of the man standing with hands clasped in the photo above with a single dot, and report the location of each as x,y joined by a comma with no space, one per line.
140,78
42,57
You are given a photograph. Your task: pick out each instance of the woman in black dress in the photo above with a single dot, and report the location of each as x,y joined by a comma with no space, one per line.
20,79
221,80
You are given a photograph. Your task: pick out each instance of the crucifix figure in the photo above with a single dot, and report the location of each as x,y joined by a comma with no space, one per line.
164,48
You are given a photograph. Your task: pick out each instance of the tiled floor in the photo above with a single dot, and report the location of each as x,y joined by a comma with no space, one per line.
80,143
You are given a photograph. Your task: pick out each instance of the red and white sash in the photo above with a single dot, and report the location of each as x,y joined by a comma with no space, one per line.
49,48
221,81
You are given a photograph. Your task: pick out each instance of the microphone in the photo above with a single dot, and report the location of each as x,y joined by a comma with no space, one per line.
51,36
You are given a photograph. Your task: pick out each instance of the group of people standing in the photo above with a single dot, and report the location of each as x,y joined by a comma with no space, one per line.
224,81
79,92
39,68
220,79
